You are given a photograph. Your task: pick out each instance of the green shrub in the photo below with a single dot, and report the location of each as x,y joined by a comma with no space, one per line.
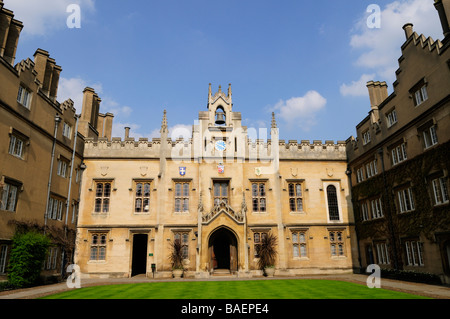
413,276
27,256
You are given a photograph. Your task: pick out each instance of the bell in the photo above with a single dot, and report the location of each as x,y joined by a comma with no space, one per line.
220,119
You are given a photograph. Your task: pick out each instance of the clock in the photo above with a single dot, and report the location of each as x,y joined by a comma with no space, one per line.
220,145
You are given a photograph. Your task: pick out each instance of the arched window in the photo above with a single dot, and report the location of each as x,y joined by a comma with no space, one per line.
333,208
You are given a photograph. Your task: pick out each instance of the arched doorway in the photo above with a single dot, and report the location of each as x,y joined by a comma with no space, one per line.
223,250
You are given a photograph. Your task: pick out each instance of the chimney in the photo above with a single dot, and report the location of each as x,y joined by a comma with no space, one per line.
101,124
6,17
107,126
10,43
377,93
408,30
55,82
127,133
88,100
443,8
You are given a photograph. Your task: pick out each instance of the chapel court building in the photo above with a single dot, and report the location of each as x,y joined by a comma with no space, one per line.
218,192
400,161
41,150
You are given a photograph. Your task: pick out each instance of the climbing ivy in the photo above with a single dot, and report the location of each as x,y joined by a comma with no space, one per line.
426,219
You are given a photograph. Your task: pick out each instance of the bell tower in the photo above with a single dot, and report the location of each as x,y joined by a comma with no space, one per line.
219,132
220,107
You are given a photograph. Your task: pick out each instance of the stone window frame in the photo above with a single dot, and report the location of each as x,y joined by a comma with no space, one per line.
143,195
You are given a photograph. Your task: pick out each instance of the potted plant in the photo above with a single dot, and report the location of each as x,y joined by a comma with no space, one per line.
176,258
267,254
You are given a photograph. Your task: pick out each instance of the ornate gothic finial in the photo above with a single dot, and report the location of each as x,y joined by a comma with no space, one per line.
164,123
220,88
200,202
229,90
244,204
274,123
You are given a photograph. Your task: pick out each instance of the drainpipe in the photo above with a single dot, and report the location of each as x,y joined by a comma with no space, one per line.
71,171
57,121
69,191
388,212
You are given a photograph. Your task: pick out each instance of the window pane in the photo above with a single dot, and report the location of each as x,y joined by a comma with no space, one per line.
298,190
262,206
186,189
294,238
292,205
224,190
291,190
147,189
177,189
216,189
302,238
333,250
138,205
177,204
102,253
303,251
299,205
262,190
254,189
332,203
331,236
99,190
186,204
138,189
105,205
107,191
256,237
255,204
296,251
98,205
94,252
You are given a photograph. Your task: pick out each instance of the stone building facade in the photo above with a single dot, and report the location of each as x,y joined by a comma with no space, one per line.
400,161
41,150
218,192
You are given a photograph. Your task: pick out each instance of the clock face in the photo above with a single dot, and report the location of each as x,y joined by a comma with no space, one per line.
220,145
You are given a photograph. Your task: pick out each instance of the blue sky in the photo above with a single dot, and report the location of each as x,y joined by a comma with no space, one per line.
306,62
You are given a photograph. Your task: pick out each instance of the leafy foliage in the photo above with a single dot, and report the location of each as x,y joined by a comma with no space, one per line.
267,251
26,259
176,254
425,220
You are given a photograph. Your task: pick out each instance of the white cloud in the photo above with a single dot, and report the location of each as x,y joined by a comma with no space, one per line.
301,111
73,89
380,47
41,16
357,88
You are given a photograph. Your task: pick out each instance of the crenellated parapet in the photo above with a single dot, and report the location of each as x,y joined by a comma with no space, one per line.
187,148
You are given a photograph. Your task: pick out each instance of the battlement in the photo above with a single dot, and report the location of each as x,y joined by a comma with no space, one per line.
188,148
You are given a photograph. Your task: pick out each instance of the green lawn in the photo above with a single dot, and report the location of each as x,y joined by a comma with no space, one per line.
255,289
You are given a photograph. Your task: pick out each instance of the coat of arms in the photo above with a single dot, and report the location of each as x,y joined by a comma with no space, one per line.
221,168
182,171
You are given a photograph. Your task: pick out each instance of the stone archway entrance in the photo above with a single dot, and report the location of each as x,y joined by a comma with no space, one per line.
223,250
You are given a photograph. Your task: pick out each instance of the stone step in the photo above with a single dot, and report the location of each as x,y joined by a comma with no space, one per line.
221,272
